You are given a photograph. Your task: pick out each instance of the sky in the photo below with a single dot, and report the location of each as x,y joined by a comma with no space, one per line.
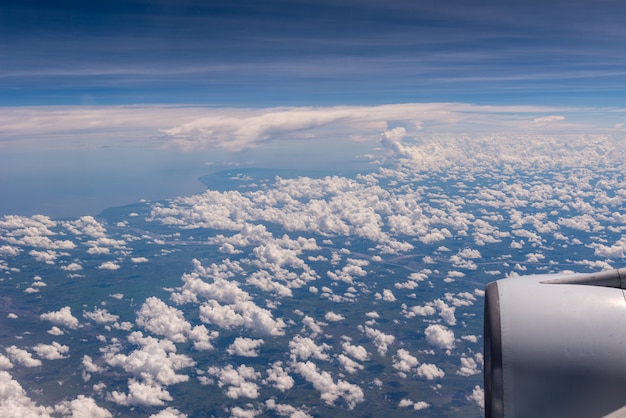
305,52
89,89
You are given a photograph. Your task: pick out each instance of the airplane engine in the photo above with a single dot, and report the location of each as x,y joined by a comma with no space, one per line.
555,345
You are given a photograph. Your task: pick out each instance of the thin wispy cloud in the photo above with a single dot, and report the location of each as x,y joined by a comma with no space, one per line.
238,129
302,51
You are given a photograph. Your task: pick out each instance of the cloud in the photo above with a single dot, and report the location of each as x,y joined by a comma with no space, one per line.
469,367
333,317
154,365
417,406
613,251
54,351
392,138
242,129
95,250
239,381
430,371
227,305
224,316
202,337
237,412
460,299
387,296
445,312
237,309
15,402
109,265
469,253
89,367
161,319
354,267
348,364
48,257
210,283
82,407
365,209
413,282
238,133
313,325
264,280
439,336
9,251
5,363
56,331
404,361
169,413
546,120
584,222
380,339
478,396
72,267
284,410
245,347
330,390
22,357
101,316
36,122
421,311
237,129
304,348
34,231
85,225
144,394
279,377
246,314
355,351
62,317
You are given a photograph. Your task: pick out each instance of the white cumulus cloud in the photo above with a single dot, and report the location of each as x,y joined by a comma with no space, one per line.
245,347
439,336
62,317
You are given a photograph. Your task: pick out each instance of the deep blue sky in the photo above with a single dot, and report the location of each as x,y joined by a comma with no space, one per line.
312,52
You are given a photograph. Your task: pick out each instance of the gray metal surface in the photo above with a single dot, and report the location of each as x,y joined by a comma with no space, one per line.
563,348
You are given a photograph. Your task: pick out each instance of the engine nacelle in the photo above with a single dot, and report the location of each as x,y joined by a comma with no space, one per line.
555,345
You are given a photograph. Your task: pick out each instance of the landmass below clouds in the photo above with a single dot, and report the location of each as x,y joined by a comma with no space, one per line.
309,282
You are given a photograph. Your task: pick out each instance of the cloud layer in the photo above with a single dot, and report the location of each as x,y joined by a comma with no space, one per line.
237,129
